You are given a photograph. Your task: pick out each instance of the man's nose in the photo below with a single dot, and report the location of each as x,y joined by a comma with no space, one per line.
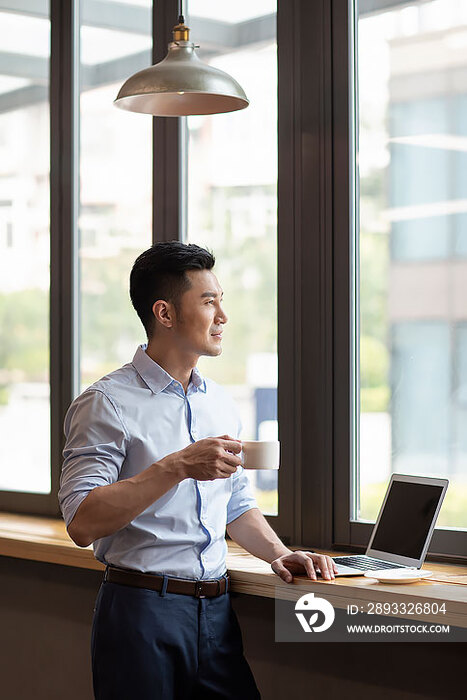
222,316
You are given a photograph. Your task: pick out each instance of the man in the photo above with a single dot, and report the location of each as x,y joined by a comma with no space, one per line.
152,477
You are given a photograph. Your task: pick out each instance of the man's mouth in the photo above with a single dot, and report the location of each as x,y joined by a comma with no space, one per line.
217,335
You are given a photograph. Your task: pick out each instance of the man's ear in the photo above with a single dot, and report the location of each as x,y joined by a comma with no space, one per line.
164,313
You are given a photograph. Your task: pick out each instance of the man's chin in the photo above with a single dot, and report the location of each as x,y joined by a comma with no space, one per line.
213,352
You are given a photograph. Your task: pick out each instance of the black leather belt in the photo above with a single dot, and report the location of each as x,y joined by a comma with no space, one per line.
197,588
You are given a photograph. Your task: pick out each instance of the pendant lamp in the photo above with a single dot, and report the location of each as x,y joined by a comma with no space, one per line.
181,84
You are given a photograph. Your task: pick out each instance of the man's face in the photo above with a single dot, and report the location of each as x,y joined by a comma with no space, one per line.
200,318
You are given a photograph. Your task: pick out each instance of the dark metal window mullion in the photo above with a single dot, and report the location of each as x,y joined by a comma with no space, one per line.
166,134
305,270
64,144
287,523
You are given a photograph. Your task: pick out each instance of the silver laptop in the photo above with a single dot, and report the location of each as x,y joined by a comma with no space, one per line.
403,530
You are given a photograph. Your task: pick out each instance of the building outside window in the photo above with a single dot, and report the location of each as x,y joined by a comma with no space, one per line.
24,251
230,200
115,185
412,269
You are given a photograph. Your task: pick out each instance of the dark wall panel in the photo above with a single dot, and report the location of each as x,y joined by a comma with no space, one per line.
45,627
45,622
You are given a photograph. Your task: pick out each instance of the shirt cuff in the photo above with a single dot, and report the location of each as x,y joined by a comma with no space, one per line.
237,512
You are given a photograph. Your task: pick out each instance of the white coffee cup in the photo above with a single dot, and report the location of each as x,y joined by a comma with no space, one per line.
261,454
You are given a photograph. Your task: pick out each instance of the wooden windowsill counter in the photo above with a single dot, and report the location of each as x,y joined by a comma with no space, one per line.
46,540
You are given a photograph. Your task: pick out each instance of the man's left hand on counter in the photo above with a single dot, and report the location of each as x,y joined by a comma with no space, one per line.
304,563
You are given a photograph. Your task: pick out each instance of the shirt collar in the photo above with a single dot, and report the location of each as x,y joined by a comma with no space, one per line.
156,377
197,380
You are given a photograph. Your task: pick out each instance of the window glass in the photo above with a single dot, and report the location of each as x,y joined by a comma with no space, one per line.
411,270
231,207
24,250
115,197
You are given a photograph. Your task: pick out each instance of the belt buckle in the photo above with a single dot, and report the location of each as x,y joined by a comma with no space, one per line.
198,589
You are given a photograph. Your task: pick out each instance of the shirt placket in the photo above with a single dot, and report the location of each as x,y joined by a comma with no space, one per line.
200,485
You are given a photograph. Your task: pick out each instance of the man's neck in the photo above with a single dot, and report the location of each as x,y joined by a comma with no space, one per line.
178,366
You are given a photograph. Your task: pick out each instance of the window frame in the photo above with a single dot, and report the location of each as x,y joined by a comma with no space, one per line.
316,214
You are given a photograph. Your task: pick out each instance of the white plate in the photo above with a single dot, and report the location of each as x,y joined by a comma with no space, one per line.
398,575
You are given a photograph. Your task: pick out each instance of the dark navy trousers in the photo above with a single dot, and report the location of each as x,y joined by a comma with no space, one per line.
148,646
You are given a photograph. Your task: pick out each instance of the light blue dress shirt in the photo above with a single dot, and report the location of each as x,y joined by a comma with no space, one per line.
121,425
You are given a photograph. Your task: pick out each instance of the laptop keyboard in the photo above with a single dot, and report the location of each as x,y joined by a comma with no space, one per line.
366,564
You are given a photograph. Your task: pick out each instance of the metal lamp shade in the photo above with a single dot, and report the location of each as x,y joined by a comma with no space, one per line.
181,85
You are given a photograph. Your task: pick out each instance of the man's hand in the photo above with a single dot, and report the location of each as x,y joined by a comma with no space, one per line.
209,459
304,563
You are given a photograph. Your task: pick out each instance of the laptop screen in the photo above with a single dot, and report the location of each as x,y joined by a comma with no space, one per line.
406,519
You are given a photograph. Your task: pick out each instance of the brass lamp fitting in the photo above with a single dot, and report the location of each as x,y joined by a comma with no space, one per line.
181,33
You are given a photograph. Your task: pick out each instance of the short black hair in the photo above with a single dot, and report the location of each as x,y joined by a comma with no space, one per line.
159,273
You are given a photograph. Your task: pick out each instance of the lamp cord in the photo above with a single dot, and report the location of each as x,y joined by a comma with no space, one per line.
181,18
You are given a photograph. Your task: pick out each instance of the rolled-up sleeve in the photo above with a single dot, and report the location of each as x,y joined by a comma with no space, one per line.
95,449
242,498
